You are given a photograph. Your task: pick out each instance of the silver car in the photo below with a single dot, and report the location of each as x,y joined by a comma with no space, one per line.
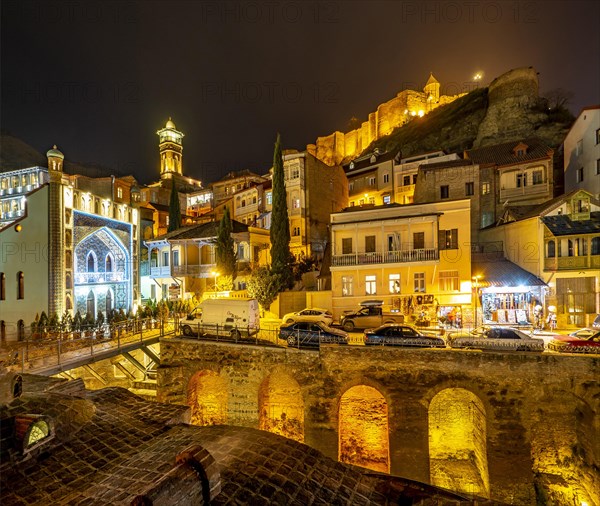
495,338
309,315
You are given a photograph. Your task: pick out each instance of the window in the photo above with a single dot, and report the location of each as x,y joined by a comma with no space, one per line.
595,246
598,136
347,286
414,179
91,262
372,200
487,218
387,199
521,180
108,264
296,203
109,301
448,239
394,283
406,181
370,244
579,175
372,181
419,240
485,188
386,178
537,177
551,249
419,281
444,191
469,188
296,231
346,245
449,281
165,258
119,193
579,149
90,306
2,286
270,198
370,285
598,167
351,186
176,258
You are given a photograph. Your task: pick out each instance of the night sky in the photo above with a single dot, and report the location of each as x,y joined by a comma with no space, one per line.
99,78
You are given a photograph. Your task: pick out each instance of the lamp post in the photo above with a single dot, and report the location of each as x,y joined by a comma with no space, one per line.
476,278
215,274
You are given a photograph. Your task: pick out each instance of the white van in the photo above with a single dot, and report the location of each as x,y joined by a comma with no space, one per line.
223,317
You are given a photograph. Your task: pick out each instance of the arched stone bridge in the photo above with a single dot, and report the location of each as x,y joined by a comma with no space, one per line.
521,428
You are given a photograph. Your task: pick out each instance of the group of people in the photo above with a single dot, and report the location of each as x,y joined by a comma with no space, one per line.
539,319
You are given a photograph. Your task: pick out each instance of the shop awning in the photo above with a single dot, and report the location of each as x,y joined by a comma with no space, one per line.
503,272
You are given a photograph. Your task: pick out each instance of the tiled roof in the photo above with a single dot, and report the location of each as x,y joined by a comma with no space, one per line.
449,163
502,154
365,160
502,272
202,231
562,224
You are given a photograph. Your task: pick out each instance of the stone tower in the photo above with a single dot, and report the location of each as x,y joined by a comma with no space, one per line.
56,236
432,91
171,150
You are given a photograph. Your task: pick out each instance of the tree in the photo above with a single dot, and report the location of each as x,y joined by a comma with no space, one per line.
558,98
226,257
281,257
264,285
174,209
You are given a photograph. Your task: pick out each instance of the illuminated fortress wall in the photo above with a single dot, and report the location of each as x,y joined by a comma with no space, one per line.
338,146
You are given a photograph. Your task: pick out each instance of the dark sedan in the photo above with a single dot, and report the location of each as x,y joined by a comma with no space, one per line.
581,341
311,334
391,334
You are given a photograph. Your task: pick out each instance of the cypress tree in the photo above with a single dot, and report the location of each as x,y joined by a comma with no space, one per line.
174,209
225,248
281,257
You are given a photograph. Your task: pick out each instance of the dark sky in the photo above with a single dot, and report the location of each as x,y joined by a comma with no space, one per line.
99,78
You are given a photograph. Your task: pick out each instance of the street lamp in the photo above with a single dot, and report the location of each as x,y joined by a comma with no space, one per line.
215,274
476,278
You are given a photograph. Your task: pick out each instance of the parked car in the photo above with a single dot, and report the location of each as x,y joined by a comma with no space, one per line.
580,341
311,334
495,338
309,315
392,334
370,315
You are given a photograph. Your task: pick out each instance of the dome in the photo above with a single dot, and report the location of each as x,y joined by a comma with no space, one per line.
55,153
170,124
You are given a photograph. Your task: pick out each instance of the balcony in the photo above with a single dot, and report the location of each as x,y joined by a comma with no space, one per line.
160,272
535,190
200,271
386,257
572,263
100,277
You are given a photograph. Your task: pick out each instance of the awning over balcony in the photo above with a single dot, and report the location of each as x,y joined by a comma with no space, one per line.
502,272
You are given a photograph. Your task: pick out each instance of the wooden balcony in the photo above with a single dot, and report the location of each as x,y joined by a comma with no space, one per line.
386,257
572,263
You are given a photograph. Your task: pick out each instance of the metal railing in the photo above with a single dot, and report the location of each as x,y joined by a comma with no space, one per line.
400,256
56,348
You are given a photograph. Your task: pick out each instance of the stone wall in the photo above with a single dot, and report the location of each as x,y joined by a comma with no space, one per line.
539,409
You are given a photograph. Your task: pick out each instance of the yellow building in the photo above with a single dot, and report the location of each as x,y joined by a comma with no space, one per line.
415,258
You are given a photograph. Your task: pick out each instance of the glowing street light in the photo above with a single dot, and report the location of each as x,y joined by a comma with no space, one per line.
216,275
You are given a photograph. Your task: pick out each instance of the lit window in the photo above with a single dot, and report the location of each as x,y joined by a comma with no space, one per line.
419,282
406,181
296,203
485,188
394,283
537,177
370,285
387,199
448,239
270,198
372,181
449,281
120,193
370,244
347,286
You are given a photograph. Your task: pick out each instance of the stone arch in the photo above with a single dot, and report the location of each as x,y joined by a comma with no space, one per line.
281,407
363,428
207,395
458,441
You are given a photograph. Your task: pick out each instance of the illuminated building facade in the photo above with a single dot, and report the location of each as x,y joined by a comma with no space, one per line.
415,258
14,186
74,248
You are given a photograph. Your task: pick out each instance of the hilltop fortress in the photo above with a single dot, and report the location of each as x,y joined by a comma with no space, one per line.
338,146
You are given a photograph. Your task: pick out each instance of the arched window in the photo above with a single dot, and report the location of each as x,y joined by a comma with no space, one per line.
596,246
2,330
69,304
109,301
91,304
20,330
108,263
91,262
20,285
551,249
68,282
96,207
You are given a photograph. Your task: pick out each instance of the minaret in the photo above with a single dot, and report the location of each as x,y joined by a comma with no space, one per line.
170,147
56,234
